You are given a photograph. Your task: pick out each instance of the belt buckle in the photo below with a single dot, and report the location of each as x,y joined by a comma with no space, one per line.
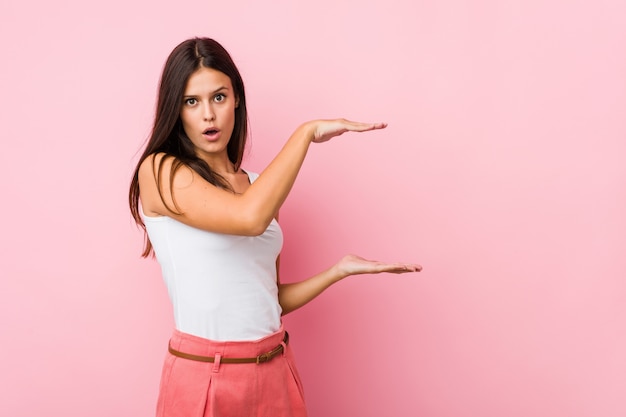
263,358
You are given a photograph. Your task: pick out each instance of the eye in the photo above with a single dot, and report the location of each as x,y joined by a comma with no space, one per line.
190,101
219,98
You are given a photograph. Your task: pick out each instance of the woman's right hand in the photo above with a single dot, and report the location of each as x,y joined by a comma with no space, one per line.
324,130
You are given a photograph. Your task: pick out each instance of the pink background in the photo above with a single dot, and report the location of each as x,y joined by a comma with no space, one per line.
502,172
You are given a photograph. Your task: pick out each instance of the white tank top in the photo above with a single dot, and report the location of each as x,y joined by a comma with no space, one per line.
222,287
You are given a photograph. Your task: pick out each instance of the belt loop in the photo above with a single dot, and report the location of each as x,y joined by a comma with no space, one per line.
284,343
216,363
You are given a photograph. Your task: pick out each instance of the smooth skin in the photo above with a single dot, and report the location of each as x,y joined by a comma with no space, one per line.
208,117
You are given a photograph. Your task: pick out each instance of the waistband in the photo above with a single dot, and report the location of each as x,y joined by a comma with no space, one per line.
198,346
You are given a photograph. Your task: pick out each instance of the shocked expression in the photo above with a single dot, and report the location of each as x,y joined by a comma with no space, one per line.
208,111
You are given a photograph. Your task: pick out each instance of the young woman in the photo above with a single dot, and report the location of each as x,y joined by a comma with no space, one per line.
213,228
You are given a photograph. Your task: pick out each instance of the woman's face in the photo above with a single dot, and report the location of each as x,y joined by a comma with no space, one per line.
208,111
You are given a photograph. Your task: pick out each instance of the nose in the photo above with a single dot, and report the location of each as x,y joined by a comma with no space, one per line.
209,114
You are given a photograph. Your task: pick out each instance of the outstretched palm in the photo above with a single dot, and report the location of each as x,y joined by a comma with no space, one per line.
328,129
354,265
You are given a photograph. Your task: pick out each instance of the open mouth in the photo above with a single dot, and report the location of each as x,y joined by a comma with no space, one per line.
210,132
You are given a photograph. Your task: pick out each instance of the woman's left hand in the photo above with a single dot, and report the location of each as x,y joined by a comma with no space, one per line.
355,265
294,295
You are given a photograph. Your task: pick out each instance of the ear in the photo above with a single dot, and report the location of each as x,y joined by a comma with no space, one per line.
237,103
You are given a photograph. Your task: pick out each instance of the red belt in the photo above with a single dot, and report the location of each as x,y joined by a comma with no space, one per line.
265,357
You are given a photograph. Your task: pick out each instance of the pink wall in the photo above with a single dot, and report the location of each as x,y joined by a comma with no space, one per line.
502,172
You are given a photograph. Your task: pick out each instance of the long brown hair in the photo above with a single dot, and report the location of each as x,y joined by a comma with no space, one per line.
168,136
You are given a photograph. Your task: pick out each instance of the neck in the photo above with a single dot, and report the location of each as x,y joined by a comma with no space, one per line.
219,163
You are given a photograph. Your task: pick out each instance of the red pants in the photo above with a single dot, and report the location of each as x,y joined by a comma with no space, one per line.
199,389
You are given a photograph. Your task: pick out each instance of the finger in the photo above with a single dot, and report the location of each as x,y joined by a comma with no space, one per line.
402,268
363,127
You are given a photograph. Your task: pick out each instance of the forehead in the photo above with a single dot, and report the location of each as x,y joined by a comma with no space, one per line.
206,80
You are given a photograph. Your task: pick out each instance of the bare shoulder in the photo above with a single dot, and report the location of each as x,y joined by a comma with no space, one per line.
157,174
170,188
157,167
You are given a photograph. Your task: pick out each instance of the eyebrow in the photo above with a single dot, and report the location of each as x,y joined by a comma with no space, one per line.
213,92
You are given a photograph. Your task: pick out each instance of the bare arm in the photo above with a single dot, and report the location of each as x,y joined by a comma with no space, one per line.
293,296
207,207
